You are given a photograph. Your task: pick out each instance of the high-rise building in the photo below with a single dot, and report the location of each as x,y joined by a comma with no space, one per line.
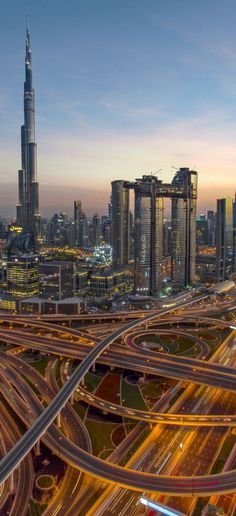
78,239
184,211
96,230
201,230
148,234
120,224
211,228
28,205
56,280
224,238
234,234
22,275
106,229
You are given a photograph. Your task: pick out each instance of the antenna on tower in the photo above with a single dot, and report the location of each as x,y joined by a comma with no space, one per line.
27,9
155,172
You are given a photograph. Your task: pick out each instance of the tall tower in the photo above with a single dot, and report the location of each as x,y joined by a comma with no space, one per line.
184,211
148,234
27,209
77,223
224,238
120,224
234,234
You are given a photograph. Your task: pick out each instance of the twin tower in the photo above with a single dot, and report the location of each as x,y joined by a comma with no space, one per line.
27,210
149,194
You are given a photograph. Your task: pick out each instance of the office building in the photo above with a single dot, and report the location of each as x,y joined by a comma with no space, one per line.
78,223
148,235
28,203
183,221
224,238
23,276
120,224
148,230
201,230
56,280
234,235
96,230
211,228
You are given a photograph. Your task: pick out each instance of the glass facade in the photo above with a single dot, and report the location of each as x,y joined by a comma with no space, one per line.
56,280
22,276
224,238
183,215
148,242
120,224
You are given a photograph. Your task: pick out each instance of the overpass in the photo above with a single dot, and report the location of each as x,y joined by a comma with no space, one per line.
130,479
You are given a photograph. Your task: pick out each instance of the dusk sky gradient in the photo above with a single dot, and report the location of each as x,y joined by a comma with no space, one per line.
123,88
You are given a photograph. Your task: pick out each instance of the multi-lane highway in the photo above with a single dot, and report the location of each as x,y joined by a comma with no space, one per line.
101,469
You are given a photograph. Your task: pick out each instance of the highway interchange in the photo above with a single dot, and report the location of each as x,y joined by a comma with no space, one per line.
77,453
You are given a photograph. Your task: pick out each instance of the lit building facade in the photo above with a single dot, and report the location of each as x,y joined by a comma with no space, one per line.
56,280
183,221
78,223
224,238
23,276
120,224
148,230
28,204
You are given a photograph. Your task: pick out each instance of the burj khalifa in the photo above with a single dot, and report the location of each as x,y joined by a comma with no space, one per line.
28,206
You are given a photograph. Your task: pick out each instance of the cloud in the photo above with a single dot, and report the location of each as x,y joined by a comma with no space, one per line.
71,166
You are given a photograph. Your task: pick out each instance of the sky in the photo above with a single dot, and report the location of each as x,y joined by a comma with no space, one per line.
123,88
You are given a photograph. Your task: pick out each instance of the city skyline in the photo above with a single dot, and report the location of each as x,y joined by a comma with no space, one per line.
120,110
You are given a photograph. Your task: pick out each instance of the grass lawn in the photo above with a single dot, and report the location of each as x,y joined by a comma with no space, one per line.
152,389
132,396
36,509
45,481
185,344
80,409
92,381
40,365
100,435
224,453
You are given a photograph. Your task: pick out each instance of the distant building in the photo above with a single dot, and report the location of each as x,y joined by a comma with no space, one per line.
56,280
148,230
201,230
96,230
107,283
183,217
148,235
27,209
120,224
224,238
211,225
37,305
23,276
234,234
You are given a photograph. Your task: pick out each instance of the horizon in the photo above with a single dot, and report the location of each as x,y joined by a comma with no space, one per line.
142,91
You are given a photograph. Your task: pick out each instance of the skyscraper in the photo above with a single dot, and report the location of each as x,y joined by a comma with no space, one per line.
234,234
148,230
211,227
120,224
27,208
183,216
96,230
148,234
224,238
77,223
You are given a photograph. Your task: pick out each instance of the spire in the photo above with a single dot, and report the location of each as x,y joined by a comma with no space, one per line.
27,210
27,48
